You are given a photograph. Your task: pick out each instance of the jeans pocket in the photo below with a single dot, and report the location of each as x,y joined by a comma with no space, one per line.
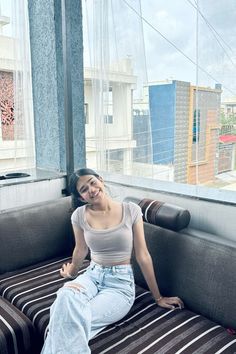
126,277
126,282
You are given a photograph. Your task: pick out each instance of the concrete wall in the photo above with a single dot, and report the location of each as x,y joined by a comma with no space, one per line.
45,18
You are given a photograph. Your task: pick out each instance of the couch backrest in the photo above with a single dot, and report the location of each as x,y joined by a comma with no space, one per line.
198,269
35,234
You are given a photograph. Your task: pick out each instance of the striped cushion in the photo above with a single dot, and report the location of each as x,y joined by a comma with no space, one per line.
150,329
16,330
33,291
146,329
166,215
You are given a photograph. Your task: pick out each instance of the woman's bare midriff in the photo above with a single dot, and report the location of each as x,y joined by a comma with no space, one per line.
126,262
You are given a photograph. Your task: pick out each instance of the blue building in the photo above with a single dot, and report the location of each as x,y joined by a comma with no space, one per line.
162,111
169,111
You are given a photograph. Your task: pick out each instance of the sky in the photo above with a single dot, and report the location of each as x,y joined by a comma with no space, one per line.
159,43
216,44
167,32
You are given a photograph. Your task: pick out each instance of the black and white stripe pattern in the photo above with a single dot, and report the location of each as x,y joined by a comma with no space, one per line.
16,330
33,291
147,328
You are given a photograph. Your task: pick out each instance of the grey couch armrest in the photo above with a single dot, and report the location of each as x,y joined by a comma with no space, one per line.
17,334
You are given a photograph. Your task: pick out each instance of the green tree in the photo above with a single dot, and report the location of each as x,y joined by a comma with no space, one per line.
228,123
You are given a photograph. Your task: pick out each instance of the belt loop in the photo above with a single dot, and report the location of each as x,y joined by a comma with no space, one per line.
92,265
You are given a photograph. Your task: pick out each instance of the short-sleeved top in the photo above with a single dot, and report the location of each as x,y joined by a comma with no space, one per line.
110,245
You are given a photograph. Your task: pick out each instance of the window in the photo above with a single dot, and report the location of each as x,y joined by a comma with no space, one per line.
196,125
169,115
108,105
16,107
86,113
108,119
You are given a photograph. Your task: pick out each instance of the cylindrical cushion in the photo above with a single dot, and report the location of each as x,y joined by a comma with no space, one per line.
165,215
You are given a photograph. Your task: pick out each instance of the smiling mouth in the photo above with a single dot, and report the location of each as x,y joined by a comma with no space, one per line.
95,195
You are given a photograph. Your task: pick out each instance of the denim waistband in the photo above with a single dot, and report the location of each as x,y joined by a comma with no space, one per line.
114,267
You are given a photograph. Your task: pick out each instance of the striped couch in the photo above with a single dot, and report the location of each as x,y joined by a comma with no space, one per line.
36,240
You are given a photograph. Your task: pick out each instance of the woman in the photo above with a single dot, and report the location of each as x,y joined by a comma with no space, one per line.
105,292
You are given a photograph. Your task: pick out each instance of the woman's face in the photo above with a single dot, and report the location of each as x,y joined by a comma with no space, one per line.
90,188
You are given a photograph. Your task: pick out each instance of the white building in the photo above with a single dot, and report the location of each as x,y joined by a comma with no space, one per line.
109,142
229,106
16,149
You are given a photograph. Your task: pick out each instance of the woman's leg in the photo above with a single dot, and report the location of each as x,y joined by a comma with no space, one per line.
114,300
99,297
70,318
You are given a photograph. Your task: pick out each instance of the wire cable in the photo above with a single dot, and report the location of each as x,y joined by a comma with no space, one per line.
177,48
214,32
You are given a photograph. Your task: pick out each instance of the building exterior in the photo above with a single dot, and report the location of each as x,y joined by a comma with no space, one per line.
16,113
204,128
229,106
6,83
142,153
7,64
143,157
109,138
185,129
227,153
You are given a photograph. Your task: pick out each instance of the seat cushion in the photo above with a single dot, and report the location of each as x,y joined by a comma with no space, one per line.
33,290
147,328
16,330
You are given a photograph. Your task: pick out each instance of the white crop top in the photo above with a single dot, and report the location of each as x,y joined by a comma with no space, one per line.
111,245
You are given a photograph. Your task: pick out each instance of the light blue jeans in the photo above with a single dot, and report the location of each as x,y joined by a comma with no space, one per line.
106,295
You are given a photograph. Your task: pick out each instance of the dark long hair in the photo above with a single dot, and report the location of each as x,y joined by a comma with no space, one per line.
76,201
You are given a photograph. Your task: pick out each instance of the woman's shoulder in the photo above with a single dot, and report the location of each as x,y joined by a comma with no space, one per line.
131,205
79,209
134,210
77,213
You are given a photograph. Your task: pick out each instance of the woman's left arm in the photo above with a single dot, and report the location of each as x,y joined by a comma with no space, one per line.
145,262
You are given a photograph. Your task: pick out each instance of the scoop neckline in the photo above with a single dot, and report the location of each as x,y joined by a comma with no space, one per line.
110,228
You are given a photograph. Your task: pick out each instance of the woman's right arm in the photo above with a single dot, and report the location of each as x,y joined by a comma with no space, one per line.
70,270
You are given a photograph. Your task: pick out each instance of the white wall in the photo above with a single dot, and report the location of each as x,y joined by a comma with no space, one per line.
208,214
7,57
21,194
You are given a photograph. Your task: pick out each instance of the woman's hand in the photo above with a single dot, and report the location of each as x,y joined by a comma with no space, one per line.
66,271
170,302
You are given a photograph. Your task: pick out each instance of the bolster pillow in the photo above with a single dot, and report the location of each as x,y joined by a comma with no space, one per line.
163,214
